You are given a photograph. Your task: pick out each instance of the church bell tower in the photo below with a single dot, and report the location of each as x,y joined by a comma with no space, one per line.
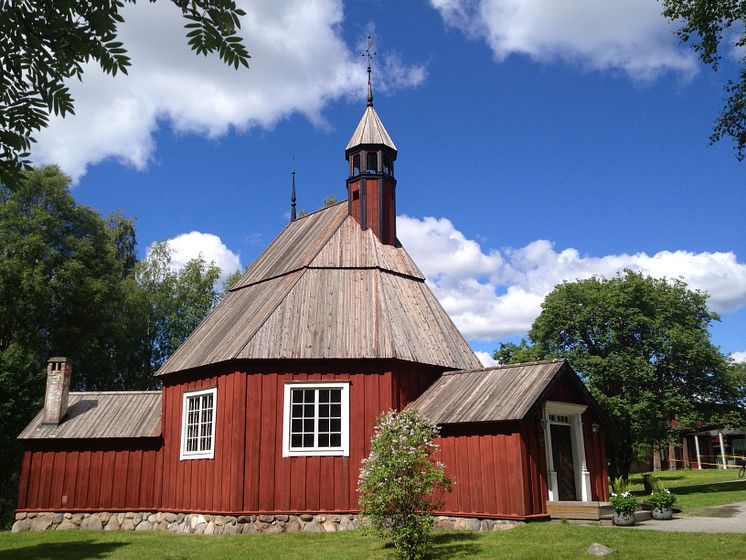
371,185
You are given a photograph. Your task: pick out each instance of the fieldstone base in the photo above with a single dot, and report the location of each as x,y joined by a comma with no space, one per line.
196,523
474,524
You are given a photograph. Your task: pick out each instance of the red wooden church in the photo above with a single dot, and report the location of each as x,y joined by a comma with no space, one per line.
268,408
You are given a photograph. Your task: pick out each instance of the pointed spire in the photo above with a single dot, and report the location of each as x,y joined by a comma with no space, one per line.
370,58
292,199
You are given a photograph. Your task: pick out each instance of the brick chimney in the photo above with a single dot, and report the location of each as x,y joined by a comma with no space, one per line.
58,389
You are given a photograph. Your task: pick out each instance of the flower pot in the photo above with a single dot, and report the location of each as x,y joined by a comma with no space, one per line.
662,513
624,519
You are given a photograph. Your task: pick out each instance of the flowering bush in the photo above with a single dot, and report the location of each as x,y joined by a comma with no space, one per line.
398,480
662,498
622,499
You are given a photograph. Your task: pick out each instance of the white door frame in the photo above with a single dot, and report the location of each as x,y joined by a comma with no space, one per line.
567,414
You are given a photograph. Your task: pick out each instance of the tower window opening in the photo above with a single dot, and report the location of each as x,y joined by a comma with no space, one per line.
356,165
355,195
388,165
372,161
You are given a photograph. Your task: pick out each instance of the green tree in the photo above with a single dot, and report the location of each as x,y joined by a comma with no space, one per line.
229,283
163,306
643,347
706,25
61,276
511,353
46,43
398,481
71,285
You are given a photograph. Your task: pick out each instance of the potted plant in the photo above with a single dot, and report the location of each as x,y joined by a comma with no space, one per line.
623,502
662,501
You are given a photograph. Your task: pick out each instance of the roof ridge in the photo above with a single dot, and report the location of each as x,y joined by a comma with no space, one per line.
153,392
387,330
506,366
304,216
301,272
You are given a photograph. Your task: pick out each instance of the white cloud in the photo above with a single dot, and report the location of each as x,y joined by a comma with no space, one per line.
486,359
210,247
630,35
300,63
492,294
739,357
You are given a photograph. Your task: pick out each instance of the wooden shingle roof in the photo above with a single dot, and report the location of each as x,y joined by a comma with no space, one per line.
495,394
103,415
370,131
326,288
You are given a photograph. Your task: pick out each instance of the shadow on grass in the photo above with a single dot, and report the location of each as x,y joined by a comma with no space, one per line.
452,545
61,551
712,488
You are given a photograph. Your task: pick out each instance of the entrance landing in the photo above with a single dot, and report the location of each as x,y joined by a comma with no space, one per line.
589,511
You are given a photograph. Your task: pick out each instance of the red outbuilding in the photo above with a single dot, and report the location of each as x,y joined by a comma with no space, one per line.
267,409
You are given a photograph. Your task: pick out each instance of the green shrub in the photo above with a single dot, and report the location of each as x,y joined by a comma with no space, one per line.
398,481
622,499
661,497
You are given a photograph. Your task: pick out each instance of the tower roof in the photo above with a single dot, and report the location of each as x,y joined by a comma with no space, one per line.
325,289
370,130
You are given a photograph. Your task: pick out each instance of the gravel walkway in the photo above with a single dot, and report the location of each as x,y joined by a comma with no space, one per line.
730,518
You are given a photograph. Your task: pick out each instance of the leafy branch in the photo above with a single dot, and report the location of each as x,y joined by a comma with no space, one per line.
45,44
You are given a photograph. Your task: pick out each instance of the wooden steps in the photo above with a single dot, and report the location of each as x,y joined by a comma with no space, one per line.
589,511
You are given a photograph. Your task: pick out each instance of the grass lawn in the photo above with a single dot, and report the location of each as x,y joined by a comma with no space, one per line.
536,541
698,489
555,541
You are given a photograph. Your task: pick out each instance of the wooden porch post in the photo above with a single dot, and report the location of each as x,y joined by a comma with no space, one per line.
722,449
696,448
656,457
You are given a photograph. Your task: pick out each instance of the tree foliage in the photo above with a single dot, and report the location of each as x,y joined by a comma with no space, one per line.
709,27
162,307
398,481
643,347
71,285
47,43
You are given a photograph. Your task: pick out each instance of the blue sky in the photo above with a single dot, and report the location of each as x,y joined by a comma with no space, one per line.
538,142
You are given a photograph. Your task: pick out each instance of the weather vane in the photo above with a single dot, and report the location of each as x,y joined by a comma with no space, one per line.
370,56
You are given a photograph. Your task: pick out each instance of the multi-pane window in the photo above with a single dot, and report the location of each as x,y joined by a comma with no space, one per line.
198,424
316,419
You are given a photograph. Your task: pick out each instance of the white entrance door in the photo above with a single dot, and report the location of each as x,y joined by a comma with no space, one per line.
567,472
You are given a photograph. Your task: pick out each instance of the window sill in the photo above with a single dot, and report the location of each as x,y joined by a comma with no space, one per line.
316,453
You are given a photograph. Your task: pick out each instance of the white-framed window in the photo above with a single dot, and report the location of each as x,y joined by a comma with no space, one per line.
198,424
316,419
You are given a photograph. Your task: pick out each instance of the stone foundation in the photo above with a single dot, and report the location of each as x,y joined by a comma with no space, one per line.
474,524
222,524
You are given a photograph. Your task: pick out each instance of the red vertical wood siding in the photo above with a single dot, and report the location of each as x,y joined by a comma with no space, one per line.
486,465
248,473
498,469
354,203
389,210
70,476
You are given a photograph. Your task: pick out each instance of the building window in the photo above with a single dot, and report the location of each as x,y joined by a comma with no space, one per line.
316,419
356,165
198,424
372,160
388,165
